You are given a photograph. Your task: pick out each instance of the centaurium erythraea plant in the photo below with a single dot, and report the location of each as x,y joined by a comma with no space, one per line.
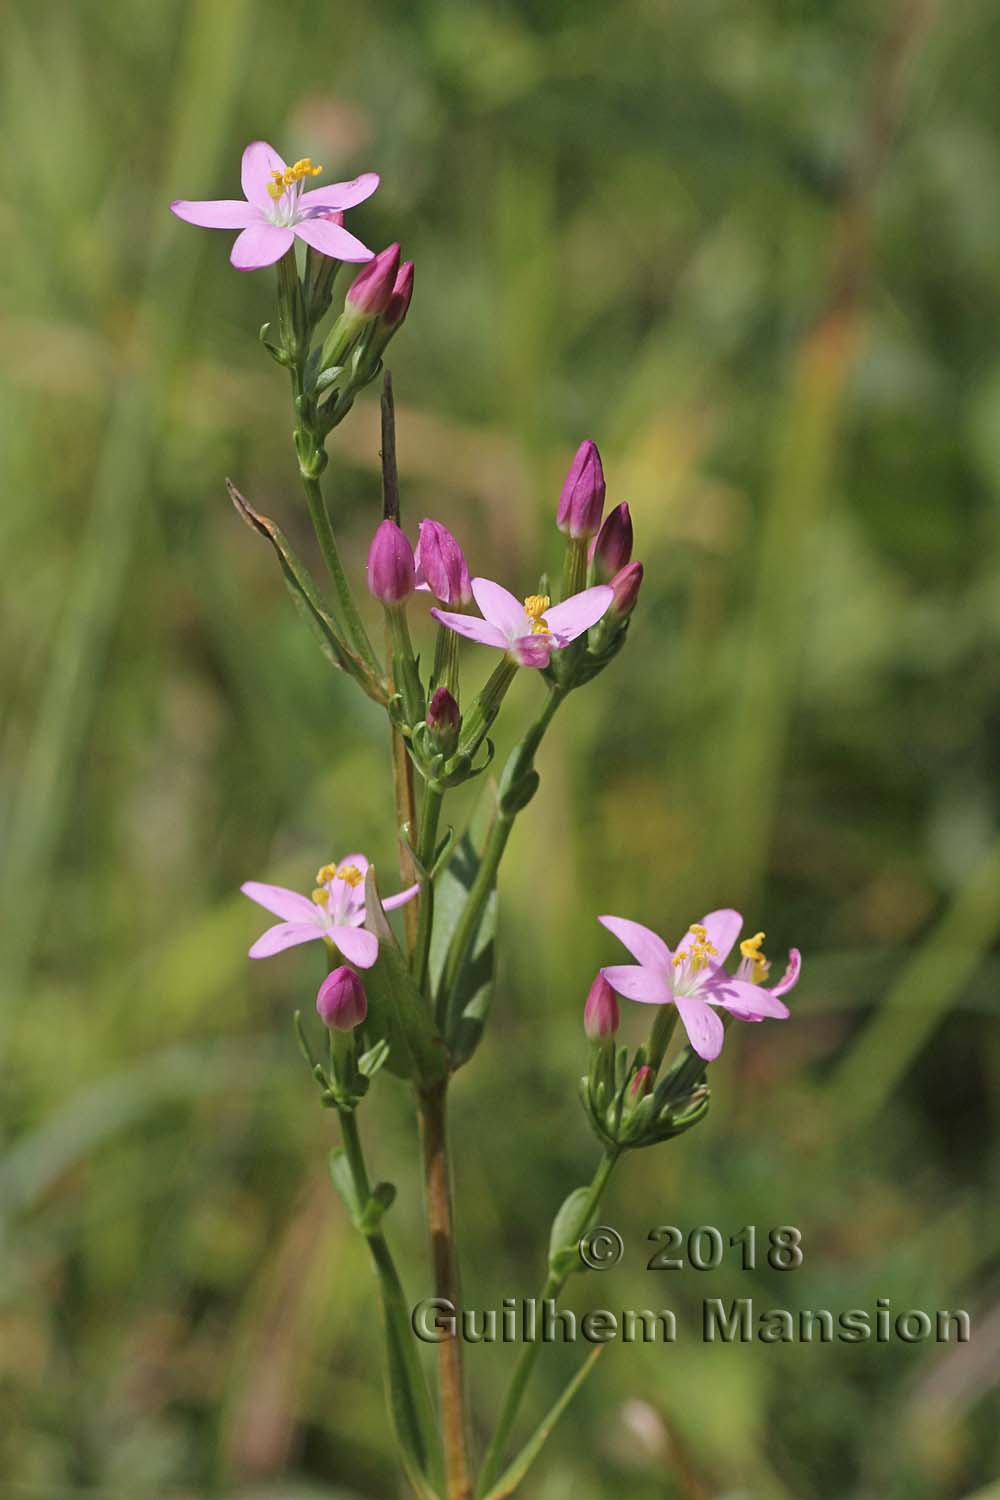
421,1009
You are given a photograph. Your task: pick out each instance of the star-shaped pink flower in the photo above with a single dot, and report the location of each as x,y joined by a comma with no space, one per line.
275,211
531,631
693,979
336,911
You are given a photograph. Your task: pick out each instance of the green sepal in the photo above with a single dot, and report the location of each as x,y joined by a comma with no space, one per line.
397,1013
369,1062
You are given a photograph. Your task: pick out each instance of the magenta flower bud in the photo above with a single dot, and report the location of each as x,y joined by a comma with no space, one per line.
390,565
341,1001
399,302
370,292
581,503
626,589
642,1083
440,564
442,711
611,549
601,1016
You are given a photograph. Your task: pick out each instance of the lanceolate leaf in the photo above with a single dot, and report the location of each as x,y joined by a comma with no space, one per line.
304,592
473,989
397,1011
512,1477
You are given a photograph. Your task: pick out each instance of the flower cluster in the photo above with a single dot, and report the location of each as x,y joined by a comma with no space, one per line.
421,1009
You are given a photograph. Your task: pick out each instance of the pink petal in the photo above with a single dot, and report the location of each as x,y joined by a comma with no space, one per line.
723,928
501,608
259,161
284,935
332,239
577,613
290,905
533,650
357,944
260,245
647,946
338,195
473,628
705,1030
790,978
400,899
216,213
751,1002
651,986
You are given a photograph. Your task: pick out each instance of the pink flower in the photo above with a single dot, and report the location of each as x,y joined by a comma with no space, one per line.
612,546
402,296
336,911
274,210
693,978
370,293
601,1016
531,631
341,1000
441,566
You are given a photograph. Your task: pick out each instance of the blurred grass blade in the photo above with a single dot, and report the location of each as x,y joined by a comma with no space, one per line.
512,1476
210,71
922,994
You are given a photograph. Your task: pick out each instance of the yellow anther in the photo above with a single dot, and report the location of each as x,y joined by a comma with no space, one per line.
325,873
751,951
321,896
275,189
534,607
351,874
700,951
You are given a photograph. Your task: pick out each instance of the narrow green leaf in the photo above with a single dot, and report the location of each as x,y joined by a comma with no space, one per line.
306,596
567,1227
474,987
340,1175
397,1012
512,1477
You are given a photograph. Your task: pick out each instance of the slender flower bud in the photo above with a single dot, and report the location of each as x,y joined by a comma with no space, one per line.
370,292
390,565
444,720
601,1016
399,302
642,1083
626,589
440,564
341,1001
582,500
611,549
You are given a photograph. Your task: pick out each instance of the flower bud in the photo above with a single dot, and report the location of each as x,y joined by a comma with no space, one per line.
626,589
399,302
642,1083
341,1001
582,500
444,720
601,1016
370,292
440,564
612,547
390,565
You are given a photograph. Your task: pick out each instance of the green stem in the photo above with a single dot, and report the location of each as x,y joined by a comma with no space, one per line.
395,1309
429,815
551,1288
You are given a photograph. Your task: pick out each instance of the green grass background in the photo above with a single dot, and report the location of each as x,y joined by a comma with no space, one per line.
754,250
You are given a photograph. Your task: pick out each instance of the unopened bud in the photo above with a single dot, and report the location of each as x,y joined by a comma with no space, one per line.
341,1001
612,547
399,303
390,565
370,292
441,565
642,1083
601,1016
626,589
581,503
444,720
